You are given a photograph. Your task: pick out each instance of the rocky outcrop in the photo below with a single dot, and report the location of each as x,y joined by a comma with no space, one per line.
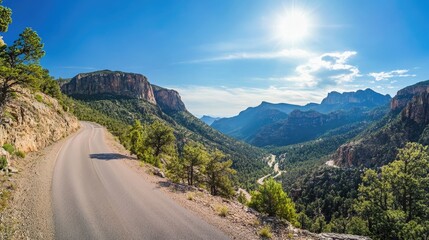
405,95
31,124
168,100
110,84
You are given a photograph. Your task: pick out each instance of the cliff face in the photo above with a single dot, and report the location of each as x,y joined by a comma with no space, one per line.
408,121
168,100
32,124
405,95
109,84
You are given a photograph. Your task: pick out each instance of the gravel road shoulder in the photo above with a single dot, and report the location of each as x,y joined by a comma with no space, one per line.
29,212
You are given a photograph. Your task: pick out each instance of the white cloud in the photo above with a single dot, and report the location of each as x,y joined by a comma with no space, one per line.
379,76
326,69
223,102
285,53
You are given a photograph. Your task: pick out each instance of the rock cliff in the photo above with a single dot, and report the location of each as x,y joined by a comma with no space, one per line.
109,84
33,121
168,99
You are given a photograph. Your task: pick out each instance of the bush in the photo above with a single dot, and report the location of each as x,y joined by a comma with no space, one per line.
222,210
265,232
3,162
242,198
9,148
20,154
271,199
39,98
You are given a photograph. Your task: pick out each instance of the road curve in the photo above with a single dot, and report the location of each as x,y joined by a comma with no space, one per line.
96,196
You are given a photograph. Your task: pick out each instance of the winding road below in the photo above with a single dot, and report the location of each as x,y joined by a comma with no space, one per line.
96,196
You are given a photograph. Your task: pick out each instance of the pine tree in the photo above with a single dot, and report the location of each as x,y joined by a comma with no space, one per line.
195,158
218,174
395,202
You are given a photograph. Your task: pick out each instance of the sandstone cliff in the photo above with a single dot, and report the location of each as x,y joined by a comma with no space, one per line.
168,99
109,84
33,121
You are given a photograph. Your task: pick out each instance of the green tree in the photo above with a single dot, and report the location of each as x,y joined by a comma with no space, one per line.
5,17
160,138
135,138
271,199
195,158
395,203
218,174
319,225
20,64
176,170
303,220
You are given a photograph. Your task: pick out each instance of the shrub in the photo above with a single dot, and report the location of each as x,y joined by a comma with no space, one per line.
3,162
9,148
222,210
190,196
39,98
20,154
265,232
242,198
271,199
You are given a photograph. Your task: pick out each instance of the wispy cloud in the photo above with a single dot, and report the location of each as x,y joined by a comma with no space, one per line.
285,53
379,76
326,69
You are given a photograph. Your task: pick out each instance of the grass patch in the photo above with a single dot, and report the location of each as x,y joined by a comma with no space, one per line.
222,210
3,162
190,196
4,198
38,98
265,232
20,154
9,148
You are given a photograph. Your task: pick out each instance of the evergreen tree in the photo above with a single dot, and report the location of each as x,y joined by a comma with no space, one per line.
5,17
395,203
195,158
160,138
218,174
20,64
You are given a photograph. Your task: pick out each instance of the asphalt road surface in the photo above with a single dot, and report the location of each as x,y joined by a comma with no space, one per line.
96,196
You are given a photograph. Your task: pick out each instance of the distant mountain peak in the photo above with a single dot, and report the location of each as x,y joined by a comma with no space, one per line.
360,96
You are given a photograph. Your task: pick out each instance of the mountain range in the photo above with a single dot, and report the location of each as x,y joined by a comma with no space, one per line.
282,124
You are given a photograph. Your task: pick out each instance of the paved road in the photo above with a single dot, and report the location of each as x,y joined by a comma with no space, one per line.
96,196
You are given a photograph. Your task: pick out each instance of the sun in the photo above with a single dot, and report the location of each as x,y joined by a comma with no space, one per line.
292,26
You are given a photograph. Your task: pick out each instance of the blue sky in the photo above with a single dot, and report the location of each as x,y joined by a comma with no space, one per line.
226,55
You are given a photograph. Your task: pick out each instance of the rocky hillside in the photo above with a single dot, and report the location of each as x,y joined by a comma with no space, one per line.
113,94
33,121
259,125
407,121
